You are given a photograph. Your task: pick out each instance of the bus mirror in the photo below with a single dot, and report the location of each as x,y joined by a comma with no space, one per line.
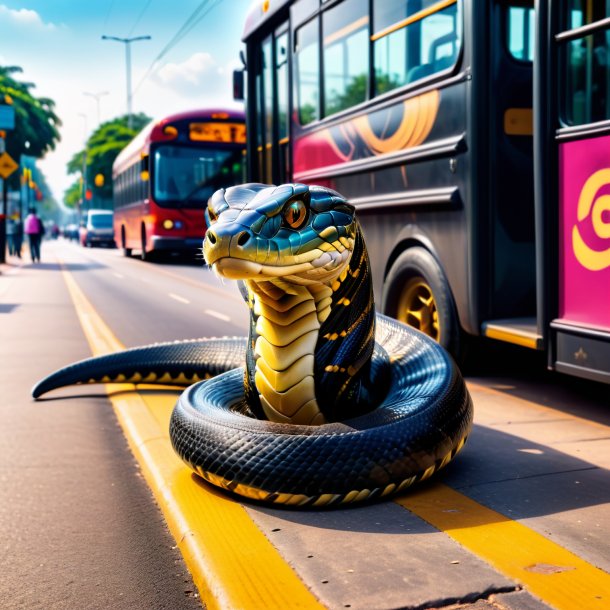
238,85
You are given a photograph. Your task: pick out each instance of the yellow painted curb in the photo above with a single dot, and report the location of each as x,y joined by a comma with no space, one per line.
232,563
234,566
547,570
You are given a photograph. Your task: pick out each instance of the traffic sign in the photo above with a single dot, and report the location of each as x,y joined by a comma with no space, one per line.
7,165
7,117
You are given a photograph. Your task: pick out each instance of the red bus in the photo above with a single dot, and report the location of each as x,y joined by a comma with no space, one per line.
472,136
163,178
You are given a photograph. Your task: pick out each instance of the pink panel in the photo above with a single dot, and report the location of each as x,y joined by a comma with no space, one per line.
584,239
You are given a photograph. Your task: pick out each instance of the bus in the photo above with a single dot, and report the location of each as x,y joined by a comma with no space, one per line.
163,178
473,138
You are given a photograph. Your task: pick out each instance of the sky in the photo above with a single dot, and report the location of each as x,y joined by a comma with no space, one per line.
59,46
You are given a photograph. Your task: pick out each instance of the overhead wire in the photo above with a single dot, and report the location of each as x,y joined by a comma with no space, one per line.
192,21
139,18
108,13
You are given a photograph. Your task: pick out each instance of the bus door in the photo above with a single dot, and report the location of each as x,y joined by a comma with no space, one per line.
272,162
581,329
512,289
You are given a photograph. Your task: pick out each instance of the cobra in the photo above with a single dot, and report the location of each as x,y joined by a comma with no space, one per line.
326,402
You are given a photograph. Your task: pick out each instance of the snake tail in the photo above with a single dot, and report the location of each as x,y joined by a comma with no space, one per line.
174,363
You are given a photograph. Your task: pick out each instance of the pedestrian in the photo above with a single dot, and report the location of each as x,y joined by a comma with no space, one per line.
18,236
34,229
10,236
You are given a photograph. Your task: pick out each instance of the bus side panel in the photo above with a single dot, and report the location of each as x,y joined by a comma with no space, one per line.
397,165
584,273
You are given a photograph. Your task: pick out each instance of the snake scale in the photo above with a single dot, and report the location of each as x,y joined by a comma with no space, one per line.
326,402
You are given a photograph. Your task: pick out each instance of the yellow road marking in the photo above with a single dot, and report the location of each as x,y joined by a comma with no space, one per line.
233,564
547,570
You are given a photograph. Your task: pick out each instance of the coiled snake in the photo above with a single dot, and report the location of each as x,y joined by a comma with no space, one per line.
332,402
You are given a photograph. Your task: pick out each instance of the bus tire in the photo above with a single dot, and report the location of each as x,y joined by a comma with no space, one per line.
126,250
144,255
416,292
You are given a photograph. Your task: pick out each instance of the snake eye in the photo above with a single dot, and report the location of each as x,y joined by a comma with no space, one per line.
295,214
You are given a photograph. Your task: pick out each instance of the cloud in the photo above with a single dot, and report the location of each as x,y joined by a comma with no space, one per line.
25,18
198,74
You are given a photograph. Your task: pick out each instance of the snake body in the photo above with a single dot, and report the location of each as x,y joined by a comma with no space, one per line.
326,402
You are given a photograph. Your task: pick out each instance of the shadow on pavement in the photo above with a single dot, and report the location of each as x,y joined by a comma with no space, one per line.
513,476
523,373
175,259
65,266
8,307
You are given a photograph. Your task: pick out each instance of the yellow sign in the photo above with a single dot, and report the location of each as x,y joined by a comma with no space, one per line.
218,132
7,165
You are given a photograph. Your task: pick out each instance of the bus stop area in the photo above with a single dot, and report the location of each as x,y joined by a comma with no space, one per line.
518,521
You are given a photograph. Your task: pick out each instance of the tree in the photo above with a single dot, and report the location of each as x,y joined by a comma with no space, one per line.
102,148
36,124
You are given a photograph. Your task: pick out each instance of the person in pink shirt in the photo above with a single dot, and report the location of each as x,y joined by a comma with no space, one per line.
34,229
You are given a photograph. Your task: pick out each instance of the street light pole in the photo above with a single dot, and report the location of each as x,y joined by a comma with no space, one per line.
96,97
127,42
84,170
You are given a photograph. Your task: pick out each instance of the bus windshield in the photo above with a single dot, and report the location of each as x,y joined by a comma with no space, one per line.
187,177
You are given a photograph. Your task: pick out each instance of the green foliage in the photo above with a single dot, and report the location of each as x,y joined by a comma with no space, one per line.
102,148
354,93
73,195
386,82
36,124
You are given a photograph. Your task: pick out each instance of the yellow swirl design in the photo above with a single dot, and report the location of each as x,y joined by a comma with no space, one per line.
418,116
589,205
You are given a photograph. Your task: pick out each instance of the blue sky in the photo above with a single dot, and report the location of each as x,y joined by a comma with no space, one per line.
58,44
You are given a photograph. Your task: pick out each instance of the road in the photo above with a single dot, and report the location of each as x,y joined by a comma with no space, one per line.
520,520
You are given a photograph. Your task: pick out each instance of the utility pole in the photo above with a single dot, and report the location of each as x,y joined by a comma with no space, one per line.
7,166
127,42
84,189
96,97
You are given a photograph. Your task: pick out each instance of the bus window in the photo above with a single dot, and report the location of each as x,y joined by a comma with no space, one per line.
268,66
346,55
281,65
585,12
283,115
584,65
521,29
413,40
189,176
260,119
308,72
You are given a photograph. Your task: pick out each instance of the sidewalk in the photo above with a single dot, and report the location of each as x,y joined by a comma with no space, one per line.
78,526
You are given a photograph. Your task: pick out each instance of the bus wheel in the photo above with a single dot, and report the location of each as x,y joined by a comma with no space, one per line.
417,293
126,250
143,255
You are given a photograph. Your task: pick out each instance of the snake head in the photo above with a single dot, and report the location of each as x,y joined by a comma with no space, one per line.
299,233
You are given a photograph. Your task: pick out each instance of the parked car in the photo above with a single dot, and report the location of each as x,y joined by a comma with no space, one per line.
97,229
70,231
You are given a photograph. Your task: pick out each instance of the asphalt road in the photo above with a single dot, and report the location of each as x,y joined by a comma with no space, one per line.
80,529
